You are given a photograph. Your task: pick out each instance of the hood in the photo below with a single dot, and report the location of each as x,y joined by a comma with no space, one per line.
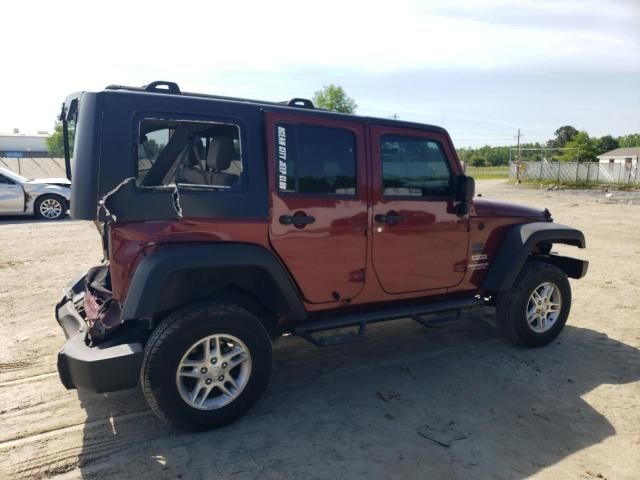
493,208
62,182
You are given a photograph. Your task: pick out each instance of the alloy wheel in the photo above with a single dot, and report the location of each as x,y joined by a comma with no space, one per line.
213,372
543,307
51,208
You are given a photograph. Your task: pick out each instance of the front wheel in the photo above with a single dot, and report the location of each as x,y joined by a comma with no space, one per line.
50,207
205,366
535,310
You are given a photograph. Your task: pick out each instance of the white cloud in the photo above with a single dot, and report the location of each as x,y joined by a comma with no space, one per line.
52,48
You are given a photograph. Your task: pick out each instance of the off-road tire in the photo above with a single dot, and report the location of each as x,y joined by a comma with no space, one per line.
174,336
51,197
512,305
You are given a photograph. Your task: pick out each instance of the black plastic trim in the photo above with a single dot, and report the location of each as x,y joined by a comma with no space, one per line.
385,314
301,102
518,244
171,87
95,369
573,267
155,269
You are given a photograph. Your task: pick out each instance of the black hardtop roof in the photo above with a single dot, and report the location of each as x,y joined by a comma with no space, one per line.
299,105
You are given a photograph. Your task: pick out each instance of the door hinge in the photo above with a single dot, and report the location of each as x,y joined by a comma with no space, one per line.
464,225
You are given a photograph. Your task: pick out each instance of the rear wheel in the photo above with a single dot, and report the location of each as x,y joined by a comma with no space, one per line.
535,310
50,207
205,366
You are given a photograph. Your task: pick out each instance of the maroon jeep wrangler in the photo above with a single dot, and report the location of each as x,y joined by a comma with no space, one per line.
228,222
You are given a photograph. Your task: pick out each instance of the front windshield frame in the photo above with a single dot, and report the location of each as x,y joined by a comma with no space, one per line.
69,119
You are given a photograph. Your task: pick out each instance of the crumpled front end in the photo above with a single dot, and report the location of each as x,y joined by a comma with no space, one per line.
34,189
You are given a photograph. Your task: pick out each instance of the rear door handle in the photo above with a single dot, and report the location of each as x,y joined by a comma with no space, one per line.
298,219
390,218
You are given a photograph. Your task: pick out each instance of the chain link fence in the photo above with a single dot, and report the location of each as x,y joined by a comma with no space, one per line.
34,167
575,172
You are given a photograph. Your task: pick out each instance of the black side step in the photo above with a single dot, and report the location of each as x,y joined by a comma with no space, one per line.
361,320
440,320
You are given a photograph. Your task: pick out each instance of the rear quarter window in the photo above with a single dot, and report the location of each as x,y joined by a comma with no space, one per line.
197,154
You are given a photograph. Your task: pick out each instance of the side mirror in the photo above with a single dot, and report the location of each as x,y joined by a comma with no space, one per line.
465,189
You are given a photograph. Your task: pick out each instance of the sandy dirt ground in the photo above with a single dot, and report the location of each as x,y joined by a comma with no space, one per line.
570,410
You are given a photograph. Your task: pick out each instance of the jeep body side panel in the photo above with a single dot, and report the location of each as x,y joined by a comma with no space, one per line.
485,236
327,257
130,242
519,242
426,247
155,271
373,295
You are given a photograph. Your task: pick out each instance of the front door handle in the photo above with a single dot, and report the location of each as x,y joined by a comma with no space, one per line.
298,219
391,218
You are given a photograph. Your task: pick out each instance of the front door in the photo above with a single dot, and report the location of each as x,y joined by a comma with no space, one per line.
419,242
318,203
11,196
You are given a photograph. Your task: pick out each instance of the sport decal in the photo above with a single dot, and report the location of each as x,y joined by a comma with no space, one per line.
478,266
282,158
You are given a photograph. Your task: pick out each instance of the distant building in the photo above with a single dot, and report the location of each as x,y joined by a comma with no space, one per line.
17,144
628,156
27,155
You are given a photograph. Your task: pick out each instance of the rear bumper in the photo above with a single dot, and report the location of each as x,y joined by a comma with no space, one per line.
92,368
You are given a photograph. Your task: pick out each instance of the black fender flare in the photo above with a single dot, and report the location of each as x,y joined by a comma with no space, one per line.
154,271
520,241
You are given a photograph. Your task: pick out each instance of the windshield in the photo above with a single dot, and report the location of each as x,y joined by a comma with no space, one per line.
13,176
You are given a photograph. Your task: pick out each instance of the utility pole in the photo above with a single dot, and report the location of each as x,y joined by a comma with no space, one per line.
519,157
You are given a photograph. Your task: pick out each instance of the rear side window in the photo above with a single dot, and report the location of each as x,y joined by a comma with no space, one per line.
414,166
188,153
315,160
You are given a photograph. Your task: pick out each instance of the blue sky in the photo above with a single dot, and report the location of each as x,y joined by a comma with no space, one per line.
480,69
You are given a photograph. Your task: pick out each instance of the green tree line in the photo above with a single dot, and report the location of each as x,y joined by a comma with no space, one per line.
578,144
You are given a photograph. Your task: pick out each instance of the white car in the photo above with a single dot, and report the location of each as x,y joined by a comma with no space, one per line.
46,198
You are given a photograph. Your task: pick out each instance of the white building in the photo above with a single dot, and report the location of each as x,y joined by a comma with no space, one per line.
19,144
627,156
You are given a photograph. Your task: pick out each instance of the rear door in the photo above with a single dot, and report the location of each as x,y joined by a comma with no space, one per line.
11,196
419,242
318,203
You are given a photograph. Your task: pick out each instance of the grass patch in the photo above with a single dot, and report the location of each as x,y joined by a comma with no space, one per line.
580,184
489,173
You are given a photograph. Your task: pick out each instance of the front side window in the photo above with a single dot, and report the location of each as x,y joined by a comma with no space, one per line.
315,160
414,167
188,153
5,181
